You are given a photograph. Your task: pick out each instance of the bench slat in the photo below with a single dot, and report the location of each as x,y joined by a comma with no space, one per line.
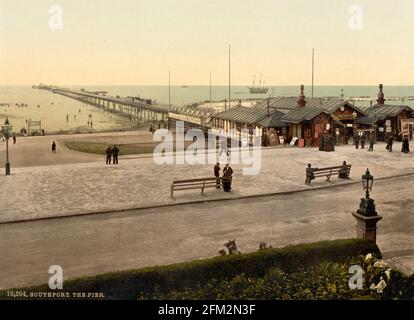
200,183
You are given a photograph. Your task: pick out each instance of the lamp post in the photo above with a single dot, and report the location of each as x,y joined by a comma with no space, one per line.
367,206
6,130
366,216
354,115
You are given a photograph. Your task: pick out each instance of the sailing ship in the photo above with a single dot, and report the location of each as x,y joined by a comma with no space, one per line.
259,89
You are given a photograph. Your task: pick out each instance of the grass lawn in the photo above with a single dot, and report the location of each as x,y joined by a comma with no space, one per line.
99,148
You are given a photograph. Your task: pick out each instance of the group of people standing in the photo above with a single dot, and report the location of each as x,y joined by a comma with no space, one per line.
405,144
361,139
226,179
112,153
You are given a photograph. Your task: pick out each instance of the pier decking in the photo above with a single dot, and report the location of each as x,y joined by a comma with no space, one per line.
134,107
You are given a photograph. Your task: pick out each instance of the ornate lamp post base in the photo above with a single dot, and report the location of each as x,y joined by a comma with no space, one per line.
366,226
7,168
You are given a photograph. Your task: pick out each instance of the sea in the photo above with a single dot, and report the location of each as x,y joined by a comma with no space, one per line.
59,114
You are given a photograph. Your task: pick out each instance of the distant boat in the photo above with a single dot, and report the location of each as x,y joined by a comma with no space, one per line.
258,89
184,86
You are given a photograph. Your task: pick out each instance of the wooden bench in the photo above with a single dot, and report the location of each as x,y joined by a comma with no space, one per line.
330,171
201,183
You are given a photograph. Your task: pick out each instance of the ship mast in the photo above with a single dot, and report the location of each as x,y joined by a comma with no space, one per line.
229,77
313,68
210,90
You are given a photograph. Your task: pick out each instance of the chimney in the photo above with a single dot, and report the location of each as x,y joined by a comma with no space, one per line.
302,101
380,99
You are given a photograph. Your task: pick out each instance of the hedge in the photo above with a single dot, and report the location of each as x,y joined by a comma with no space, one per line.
128,284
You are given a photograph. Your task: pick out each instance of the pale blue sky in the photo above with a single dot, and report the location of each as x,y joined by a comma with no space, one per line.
136,42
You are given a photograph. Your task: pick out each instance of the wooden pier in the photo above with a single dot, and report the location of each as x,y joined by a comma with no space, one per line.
142,110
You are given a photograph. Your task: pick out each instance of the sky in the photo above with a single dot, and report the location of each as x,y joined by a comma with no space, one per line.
136,42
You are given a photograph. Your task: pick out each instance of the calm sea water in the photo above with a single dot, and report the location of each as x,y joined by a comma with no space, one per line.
53,109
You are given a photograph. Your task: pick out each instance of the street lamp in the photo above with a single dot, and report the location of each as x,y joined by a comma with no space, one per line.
367,182
367,206
354,115
366,216
6,130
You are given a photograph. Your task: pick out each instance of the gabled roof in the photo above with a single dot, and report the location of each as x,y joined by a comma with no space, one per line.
252,116
282,103
386,110
381,112
273,120
290,103
302,114
369,120
248,115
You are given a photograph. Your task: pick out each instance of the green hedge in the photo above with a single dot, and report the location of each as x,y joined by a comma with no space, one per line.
128,284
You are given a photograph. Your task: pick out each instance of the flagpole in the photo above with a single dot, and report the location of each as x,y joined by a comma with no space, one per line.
229,77
313,68
210,90
169,88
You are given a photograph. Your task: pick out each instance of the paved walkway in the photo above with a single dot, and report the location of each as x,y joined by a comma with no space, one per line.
70,189
36,151
95,244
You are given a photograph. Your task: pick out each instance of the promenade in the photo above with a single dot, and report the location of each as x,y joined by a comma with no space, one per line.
137,182
95,244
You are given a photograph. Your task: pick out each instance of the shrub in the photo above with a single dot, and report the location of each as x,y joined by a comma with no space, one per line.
184,279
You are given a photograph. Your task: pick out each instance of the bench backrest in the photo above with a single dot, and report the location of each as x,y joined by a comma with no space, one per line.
175,182
348,166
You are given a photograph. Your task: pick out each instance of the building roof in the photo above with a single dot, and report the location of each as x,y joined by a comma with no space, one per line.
273,121
289,103
381,112
386,110
370,119
252,116
282,103
300,114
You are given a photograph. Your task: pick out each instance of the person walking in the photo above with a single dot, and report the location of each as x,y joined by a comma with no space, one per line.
227,178
108,155
217,174
53,147
371,141
14,138
363,138
223,147
356,138
115,153
405,145
390,142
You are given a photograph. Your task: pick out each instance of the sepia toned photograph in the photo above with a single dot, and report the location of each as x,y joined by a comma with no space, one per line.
202,157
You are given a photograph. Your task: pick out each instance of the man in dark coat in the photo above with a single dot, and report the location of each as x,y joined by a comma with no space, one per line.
53,147
310,175
356,138
344,172
371,141
217,174
227,178
405,145
363,141
390,142
115,152
108,155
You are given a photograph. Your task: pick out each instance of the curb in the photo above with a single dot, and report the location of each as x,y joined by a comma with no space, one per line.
204,201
